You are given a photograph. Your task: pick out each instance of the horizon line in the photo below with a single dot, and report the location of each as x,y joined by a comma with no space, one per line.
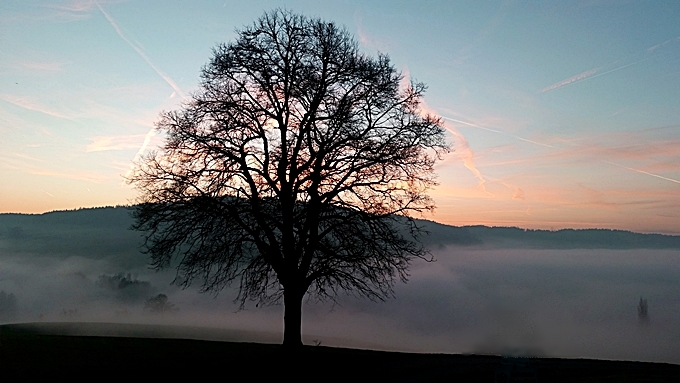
552,224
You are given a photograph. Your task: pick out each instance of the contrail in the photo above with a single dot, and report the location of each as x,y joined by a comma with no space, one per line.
468,157
614,70
497,131
588,75
465,151
165,77
539,143
570,80
594,73
147,140
141,52
643,172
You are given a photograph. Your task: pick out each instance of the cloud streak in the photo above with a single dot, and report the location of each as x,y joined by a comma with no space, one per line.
463,148
77,176
587,75
640,152
497,131
165,77
579,77
643,172
467,156
141,53
28,104
597,72
105,143
145,144
43,66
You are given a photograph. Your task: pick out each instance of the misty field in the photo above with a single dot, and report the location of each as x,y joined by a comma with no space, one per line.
475,298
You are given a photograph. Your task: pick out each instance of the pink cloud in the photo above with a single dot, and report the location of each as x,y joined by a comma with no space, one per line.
367,40
78,176
105,143
462,149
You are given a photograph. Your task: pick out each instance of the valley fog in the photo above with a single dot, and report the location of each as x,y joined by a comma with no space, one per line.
556,303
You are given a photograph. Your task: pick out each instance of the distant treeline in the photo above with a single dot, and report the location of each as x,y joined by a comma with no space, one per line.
102,232
513,237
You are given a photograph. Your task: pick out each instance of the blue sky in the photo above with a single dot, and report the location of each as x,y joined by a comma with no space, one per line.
561,113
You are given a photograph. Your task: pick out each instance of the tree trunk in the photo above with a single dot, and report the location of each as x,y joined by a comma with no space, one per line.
292,318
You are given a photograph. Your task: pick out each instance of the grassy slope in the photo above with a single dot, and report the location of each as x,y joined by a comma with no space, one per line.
27,355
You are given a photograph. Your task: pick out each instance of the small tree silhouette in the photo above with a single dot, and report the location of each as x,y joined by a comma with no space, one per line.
643,314
159,305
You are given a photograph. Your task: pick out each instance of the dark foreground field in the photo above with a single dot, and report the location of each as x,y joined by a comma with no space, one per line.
28,352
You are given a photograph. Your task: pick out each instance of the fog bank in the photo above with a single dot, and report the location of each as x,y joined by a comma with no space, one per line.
472,299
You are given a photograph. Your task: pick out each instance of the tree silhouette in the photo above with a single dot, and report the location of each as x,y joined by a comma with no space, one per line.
295,169
159,304
643,311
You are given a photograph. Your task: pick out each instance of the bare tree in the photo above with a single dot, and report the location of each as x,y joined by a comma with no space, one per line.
295,169
159,305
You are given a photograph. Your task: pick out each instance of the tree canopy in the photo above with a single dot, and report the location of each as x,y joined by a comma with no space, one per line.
295,169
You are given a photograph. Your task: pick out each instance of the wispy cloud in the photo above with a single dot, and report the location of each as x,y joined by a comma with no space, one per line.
74,5
140,52
641,149
625,147
69,10
466,154
78,6
462,147
28,104
647,154
77,176
43,66
104,143
517,192
365,39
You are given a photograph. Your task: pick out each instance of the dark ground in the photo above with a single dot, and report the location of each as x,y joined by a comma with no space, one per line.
27,354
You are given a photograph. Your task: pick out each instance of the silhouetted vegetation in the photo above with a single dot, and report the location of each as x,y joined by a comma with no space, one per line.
292,170
98,233
160,305
103,233
513,237
643,311
125,287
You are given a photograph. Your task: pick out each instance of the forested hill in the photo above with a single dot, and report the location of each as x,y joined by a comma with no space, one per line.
513,237
99,233
104,233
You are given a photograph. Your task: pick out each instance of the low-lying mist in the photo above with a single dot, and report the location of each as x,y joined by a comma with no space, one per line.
472,299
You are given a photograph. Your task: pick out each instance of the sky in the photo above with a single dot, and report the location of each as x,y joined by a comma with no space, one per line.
561,113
